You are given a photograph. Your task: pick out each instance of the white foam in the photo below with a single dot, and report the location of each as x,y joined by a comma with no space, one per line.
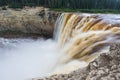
26,58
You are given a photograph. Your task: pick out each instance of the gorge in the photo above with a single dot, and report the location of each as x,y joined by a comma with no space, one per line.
79,38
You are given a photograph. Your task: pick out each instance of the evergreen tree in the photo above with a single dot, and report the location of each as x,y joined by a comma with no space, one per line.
73,4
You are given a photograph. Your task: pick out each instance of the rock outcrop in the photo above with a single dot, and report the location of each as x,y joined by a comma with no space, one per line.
105,67
37,21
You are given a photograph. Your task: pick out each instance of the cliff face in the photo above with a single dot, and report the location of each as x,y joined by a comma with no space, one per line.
105,67
27,22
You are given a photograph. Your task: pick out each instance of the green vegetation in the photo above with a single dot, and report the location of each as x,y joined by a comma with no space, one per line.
87,10
91,6
72,4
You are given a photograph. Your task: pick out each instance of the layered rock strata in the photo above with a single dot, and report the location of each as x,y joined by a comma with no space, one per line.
32,22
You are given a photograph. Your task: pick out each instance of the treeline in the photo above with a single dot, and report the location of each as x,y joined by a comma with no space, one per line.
72,4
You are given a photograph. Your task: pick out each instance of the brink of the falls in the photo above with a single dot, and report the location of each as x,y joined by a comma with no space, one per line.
78,39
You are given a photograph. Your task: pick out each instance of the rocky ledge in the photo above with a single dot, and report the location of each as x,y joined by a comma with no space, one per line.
105,67
33,22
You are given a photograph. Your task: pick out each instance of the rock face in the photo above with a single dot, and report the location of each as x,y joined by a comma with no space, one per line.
105,67
37,21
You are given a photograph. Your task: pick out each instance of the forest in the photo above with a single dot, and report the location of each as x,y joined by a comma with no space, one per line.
71,4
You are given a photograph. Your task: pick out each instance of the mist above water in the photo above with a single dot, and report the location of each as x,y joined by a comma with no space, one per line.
22,59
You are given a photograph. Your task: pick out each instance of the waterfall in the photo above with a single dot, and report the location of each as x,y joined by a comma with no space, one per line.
84,36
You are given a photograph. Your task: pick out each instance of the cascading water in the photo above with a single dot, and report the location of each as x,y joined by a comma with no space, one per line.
82,37
79,38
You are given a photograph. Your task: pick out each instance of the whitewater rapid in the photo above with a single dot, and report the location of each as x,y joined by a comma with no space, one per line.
22,59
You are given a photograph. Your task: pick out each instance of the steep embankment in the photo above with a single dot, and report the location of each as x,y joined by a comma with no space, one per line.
31,22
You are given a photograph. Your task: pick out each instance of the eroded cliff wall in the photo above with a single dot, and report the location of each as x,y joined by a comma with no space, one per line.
33,22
